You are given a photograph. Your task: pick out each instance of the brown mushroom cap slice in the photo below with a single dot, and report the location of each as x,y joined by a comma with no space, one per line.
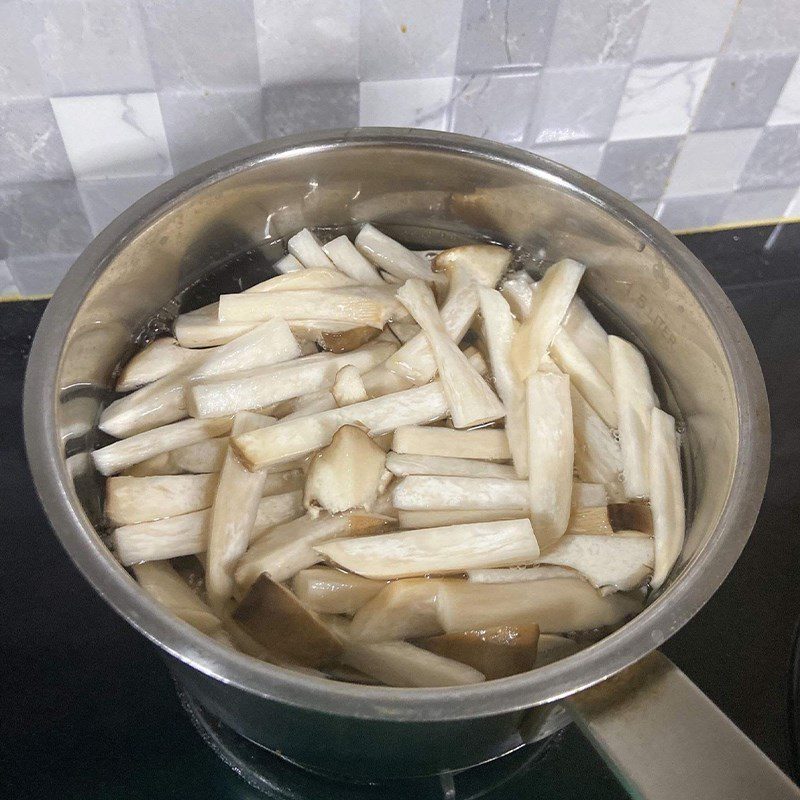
496,652
485,262
274,617
631,517
344,341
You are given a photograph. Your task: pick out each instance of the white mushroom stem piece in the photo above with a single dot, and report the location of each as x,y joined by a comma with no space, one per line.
402,464
617,563
114,458
286,264
585,377
289,439
666,495
391,256
160,580
305,247
353,306
264,387
233,515
346,258
550,453
554,294
558,605
330,591
452,549
469,398
154,361
415,360
499,329
188,533
444,492
485,444
635,398
404,609
164,401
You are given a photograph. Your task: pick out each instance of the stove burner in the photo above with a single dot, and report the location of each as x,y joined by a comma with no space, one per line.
279,779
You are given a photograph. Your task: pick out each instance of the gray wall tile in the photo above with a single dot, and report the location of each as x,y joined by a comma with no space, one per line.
423,103
40,275
584,157
20,74
307,40
578,103
761,204
494,105
31,148
200,126
639,168
39,218
408,39
742,91
294,109
500,33
103,200
184,35
91,46
711,162
775,160
596,32
678,30
683,213
7,286
764,26
648,206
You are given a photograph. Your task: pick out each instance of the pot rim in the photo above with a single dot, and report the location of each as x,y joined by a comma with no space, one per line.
703,573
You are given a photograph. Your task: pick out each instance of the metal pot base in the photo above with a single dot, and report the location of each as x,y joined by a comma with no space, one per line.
276,777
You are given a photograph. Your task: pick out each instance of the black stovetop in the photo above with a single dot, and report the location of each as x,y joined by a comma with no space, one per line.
87,709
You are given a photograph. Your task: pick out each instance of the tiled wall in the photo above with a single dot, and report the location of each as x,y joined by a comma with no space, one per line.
689,107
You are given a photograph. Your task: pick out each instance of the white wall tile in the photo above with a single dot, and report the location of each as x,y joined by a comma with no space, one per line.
409,39
696,211
787,108
20,74
677,30
762,204
494,105
596,32
115,135
184,35
659,99
200,126
765,26
711,162
40,275
423,103
639,168
307,40
91,46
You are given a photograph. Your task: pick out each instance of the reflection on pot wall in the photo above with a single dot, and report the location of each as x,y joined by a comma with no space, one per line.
689,107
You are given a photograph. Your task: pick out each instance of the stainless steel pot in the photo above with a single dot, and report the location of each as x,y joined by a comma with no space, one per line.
428,189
